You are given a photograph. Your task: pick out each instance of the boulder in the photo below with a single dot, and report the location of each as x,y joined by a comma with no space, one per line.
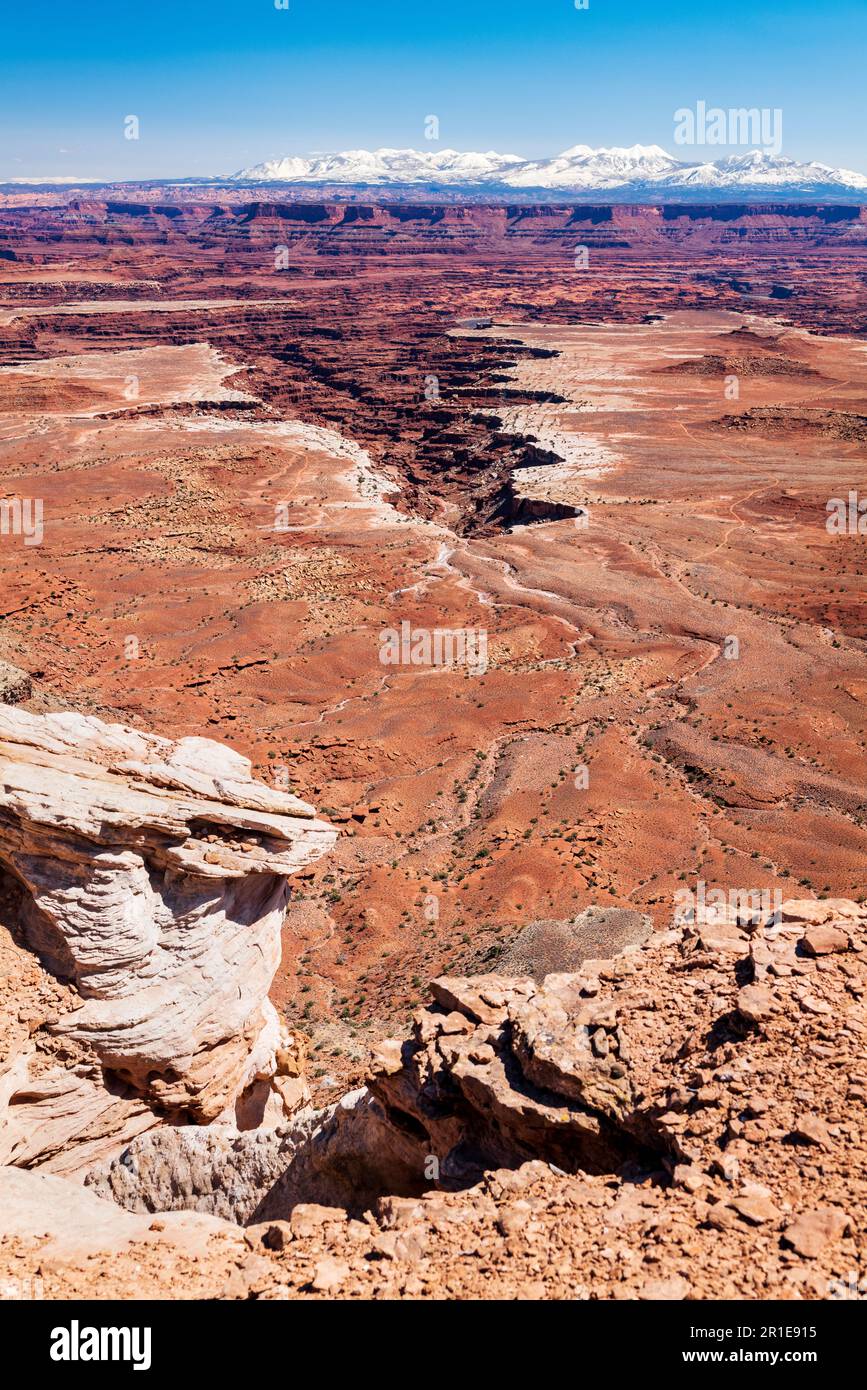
812,1231
825,940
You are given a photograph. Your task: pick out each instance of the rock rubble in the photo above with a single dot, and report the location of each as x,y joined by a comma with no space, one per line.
630,1130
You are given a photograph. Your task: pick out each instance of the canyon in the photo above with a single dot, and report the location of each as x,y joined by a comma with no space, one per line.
681,1117
606,437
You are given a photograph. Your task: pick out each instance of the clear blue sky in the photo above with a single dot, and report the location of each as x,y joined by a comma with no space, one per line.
218,84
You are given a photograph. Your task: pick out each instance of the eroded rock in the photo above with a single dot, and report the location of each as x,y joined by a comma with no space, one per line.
149,877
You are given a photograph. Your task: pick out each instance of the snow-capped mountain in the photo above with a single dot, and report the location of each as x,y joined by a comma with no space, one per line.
583,167
758,169
637,169
385,166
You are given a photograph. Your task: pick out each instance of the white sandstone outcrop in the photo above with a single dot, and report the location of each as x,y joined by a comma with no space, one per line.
149,878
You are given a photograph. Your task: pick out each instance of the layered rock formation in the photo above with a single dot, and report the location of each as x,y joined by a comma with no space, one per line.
149,878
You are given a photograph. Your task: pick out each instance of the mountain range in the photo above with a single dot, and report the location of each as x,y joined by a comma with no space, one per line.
636,173
636,169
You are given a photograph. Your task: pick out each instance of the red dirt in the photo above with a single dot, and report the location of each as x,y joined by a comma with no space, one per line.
606,643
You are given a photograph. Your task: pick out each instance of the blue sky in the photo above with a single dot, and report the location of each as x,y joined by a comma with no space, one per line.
218,84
